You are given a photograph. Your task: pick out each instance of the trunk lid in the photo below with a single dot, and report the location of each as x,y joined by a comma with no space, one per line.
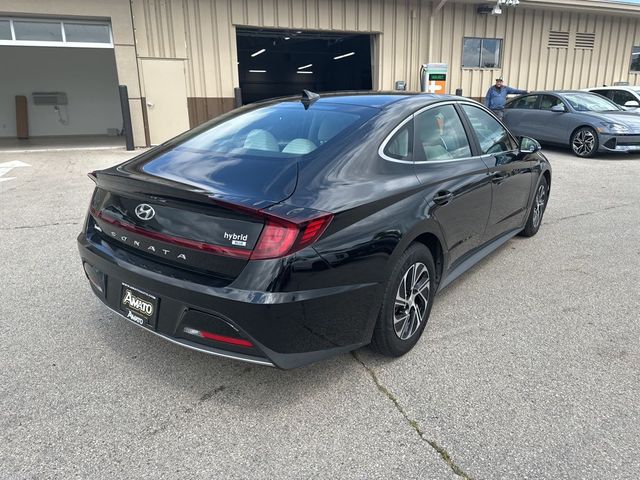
205,222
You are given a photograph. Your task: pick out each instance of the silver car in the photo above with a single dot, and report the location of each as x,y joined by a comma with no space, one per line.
586,122
628,97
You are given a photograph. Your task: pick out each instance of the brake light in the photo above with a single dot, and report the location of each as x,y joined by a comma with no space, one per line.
280,238
275,241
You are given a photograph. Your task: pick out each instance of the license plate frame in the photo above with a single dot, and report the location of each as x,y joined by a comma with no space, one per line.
139,306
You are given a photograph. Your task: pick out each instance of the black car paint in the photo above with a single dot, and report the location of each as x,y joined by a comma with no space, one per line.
324,299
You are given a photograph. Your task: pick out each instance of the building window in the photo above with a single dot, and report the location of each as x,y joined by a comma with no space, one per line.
635,59
5,30
38,31
481,52
87,32
55,33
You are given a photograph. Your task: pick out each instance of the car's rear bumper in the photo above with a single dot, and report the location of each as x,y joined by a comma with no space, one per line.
619,143
286,329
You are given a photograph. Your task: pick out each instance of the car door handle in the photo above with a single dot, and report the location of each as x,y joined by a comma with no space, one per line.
499,177
443,197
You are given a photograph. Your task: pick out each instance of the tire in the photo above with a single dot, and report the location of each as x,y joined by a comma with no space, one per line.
392,336
584,142
539,205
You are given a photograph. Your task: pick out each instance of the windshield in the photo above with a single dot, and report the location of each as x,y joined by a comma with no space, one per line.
590,102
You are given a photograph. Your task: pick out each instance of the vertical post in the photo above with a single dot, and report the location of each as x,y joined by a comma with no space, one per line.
126,116
237,97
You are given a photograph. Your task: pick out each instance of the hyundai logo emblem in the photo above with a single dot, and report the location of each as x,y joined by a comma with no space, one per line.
145,211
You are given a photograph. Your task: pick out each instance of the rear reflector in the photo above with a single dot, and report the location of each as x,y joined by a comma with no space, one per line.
218,338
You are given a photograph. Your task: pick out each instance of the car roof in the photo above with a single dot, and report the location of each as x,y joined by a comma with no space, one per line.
633,88
379,99
556,92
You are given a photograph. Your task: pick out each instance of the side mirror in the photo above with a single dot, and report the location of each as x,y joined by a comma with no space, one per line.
632,103
529,145
558,108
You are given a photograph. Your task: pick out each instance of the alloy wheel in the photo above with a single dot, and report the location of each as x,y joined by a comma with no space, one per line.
583,142
539,204
412,300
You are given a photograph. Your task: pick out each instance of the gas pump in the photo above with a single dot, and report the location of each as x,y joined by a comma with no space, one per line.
433,78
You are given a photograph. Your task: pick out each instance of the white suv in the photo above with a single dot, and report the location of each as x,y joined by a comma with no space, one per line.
628,97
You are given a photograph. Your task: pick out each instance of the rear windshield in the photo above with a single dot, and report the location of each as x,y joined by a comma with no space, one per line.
250,143
281,131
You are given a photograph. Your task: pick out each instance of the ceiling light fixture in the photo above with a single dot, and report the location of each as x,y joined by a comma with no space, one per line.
287,38
307,72
257,71
344,56
255,54
305,66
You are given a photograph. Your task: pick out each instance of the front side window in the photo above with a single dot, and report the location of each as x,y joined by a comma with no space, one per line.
492,136
622,96
440,135
481,52
549,101
524,103
635,59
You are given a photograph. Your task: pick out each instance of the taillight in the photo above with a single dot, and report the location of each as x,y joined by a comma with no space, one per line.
93,176
280,238
275,241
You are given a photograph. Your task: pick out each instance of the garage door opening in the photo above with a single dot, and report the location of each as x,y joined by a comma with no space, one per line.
63,82
274,63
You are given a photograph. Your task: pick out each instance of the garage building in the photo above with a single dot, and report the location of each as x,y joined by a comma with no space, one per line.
186,61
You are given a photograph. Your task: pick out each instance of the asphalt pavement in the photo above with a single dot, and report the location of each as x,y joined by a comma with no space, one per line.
529,367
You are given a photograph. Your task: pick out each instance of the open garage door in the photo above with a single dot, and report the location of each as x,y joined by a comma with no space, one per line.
274,63
60,80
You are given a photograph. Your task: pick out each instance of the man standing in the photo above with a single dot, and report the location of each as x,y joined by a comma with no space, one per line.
497,97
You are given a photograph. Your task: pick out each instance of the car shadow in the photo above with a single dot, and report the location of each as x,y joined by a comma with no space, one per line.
155,360
600,156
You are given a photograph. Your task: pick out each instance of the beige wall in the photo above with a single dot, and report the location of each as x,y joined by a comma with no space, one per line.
210,37
407,33
203,32
119,13
527,62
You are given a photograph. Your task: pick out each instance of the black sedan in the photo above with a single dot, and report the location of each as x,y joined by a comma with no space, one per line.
292,230
586,122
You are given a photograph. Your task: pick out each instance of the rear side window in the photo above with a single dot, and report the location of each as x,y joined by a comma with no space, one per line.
525,103
280,131
604,93
400,145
